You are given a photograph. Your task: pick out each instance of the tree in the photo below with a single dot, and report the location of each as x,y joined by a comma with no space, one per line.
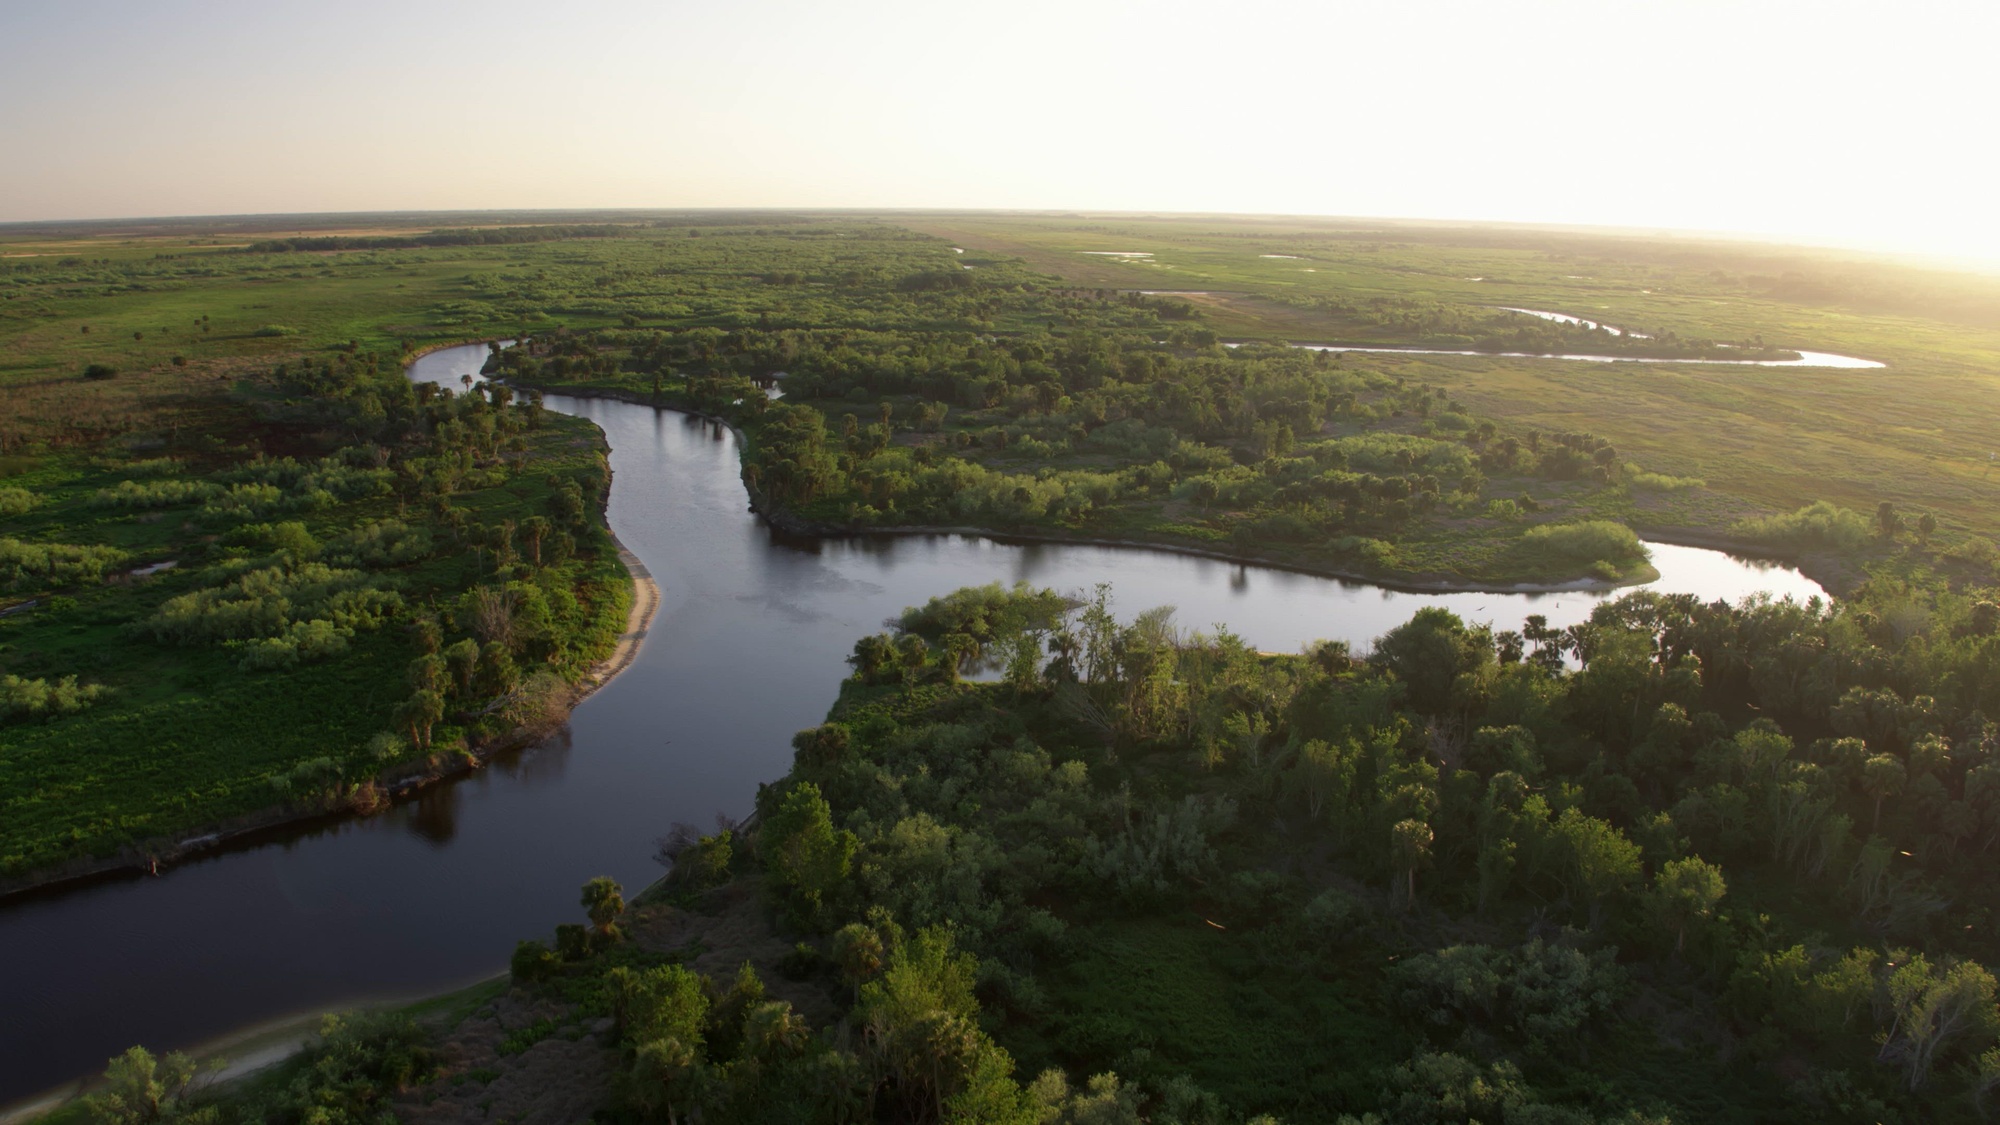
922,1039
1882,776
1887,522
463,660
1687,891
139,1088
858,950
1410,841
604,903
1931,1009
1599,858
663,1012
1324,773
534,529
806,854
420,713
1429,653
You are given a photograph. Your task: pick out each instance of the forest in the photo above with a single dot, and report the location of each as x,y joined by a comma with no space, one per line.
1045,862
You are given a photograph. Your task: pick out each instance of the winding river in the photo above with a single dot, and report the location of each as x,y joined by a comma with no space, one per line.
746,648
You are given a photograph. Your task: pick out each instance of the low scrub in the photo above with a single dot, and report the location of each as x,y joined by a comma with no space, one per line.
1819,525
268,602
1644,481
380,544
1601,546
16,501
33,565
22,700
301,642
153,494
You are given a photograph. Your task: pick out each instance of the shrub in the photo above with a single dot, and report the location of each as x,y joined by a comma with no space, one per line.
379,544
37,699
1541,993
1583,545
301,643
276,330
246,501
154,467
1155,857
1819,524
1374,553
17,501
55,564
1660,482
533,961
157,494
267,601
100,371
1334,915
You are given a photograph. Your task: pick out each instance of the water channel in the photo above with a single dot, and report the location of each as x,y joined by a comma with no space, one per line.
746,648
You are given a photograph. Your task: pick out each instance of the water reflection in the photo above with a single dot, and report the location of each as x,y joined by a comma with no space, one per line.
433,817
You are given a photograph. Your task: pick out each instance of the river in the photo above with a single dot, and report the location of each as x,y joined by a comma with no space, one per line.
746,648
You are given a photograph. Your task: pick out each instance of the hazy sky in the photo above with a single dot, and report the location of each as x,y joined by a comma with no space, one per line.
1868,123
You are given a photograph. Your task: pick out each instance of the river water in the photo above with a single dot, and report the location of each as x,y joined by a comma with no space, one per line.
746,648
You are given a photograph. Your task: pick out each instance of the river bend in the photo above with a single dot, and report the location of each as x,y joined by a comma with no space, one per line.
746,648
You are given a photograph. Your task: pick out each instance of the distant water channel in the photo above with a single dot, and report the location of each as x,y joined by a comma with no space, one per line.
747,648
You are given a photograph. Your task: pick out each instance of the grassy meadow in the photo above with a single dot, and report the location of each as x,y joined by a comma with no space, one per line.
1918,434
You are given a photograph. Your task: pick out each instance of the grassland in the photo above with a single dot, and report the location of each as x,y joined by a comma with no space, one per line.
1917,434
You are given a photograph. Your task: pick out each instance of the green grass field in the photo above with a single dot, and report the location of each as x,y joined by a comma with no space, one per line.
1919,433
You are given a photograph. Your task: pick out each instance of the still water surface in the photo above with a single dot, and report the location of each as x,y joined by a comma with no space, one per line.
747,648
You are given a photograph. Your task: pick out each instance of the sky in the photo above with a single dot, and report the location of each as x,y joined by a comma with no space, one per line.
1862,124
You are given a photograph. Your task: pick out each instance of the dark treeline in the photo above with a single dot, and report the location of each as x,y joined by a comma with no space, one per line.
497,236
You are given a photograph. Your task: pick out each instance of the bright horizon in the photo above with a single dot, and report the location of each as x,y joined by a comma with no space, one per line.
1856,125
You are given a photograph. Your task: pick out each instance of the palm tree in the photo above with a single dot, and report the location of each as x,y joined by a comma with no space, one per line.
1882,776
1410,840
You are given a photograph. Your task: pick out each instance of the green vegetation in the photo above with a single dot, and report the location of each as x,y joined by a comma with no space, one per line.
1127,424
1687,862
345,1076
360,581
1765,439
1684,862
1727,866
1819,524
